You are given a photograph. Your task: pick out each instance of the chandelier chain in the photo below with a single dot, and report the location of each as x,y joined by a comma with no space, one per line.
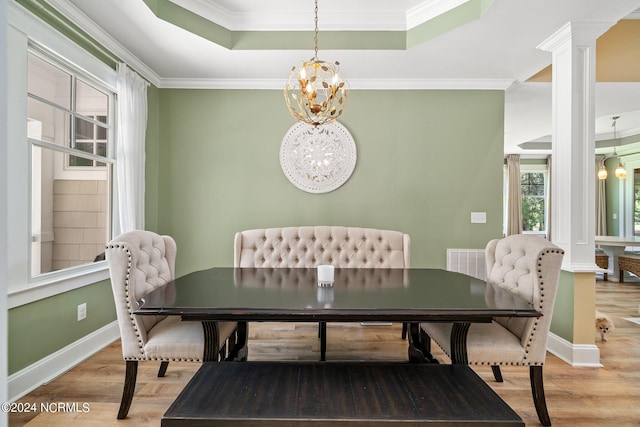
315,36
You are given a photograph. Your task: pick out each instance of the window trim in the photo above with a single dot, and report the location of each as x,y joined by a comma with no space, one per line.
539,168
76,74
25,31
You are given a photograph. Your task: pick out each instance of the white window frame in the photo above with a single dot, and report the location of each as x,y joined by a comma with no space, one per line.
528,168
625,196
25,30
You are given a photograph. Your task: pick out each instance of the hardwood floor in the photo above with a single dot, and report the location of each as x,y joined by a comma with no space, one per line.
605,396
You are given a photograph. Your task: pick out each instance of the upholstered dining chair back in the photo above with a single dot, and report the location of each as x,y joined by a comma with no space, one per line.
529,267
525,266
306,247
139,262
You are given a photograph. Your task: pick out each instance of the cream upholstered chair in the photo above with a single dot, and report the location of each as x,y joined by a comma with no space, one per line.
528,266
139,262
306,247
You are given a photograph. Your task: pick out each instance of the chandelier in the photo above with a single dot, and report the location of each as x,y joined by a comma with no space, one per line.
316,93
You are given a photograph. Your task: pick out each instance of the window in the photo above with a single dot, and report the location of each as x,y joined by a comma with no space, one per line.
91,136
533,185
69,127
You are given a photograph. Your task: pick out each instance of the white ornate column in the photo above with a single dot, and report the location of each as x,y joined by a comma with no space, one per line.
573,141
573,48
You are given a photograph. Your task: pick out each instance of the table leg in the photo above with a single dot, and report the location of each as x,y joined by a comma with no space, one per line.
419,345
239,351
237,345
459,343
210,341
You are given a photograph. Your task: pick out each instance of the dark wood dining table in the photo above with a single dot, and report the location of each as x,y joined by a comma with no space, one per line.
358,295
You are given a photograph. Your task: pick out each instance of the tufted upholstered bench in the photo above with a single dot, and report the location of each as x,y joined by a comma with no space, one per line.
310,246
527,266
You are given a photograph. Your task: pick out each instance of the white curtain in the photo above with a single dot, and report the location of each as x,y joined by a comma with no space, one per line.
130,154
601,200
514,213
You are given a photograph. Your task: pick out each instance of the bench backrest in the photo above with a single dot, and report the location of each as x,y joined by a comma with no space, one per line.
306,247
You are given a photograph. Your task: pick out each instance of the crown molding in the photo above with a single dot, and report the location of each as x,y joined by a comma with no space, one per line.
430,9
296,20
71,12
354,84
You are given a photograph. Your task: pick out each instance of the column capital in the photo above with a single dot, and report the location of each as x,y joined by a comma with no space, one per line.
576,33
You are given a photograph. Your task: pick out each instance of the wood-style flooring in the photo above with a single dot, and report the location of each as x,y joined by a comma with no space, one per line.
607,396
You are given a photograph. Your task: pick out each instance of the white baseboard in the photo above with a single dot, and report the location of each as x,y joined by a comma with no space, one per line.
587,355
55,364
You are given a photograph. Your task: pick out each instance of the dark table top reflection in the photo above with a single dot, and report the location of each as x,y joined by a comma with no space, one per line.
358,294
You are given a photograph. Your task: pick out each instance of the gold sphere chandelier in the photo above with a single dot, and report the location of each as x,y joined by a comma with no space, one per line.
316,93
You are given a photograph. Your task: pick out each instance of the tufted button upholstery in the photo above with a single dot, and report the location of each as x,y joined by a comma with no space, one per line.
527,267
140,262
300,247
342,247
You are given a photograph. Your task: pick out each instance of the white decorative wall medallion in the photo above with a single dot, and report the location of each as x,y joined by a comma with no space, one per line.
318,159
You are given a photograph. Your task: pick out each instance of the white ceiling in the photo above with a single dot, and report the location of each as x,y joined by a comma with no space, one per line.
497,51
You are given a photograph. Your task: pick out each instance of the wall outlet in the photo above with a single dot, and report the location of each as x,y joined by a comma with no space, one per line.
478,217
82,311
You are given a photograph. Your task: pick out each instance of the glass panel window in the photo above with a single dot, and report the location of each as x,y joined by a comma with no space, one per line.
88,98
49,83
534,201
48,123
70,213
91,137
68,124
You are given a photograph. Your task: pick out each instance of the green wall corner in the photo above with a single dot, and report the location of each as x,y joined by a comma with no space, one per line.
41,328
563,310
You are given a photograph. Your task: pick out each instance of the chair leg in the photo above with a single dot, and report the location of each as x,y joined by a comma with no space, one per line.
537,390
130,375
404,330
163,369
497,374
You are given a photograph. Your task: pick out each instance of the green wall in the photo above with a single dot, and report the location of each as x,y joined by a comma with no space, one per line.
562,320
43,327
426,160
